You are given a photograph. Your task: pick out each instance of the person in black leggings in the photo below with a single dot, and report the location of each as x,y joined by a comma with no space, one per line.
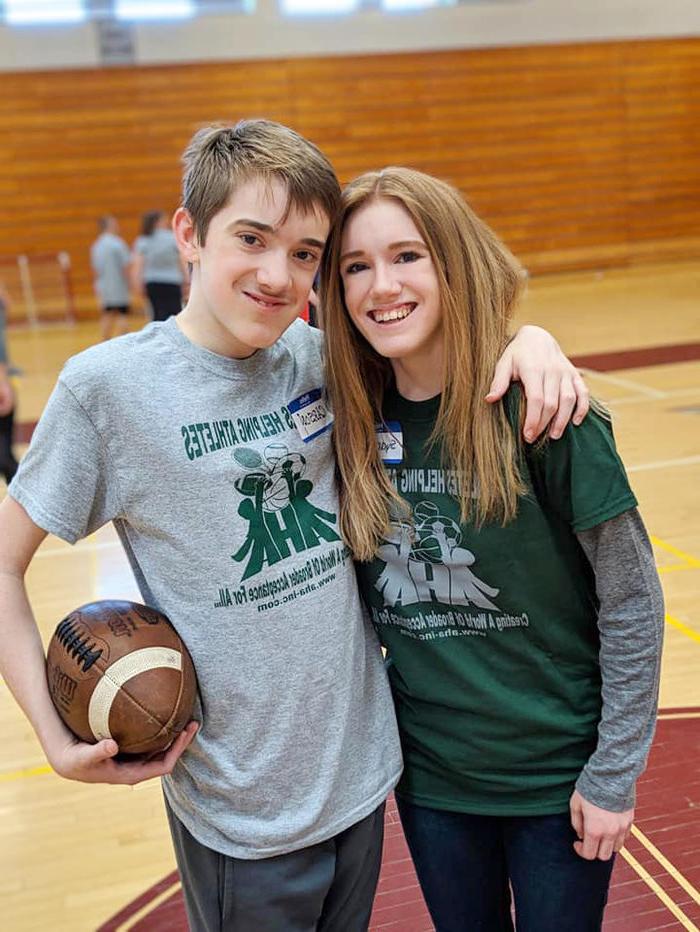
8,463
157,268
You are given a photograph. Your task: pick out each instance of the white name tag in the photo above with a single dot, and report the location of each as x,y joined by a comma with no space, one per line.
390,442
310,414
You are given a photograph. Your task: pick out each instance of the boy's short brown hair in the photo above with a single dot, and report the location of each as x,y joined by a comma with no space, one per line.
219,157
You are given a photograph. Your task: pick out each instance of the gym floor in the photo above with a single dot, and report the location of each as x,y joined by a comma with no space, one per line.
75,857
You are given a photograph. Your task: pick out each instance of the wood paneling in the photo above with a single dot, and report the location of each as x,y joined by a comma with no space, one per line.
579,155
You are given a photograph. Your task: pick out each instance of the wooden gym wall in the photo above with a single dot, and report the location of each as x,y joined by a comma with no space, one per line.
579,155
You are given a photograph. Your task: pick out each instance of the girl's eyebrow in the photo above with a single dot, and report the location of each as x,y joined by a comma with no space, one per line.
407,242
401,244
352,254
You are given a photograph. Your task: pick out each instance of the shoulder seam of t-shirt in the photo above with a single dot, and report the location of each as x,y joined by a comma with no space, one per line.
618,506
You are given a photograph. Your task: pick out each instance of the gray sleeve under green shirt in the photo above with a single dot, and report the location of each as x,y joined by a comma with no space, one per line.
630,622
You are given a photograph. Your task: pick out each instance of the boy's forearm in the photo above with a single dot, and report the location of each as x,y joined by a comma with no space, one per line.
23,664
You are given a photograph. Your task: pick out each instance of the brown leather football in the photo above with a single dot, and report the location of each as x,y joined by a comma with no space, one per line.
120,670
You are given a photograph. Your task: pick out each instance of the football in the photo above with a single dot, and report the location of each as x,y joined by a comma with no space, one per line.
119,670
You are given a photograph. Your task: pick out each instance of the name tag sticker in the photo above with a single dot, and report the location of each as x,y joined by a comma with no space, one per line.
310,414
390,442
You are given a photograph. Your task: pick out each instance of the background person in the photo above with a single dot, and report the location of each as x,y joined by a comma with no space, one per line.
157,268
8,463
110,260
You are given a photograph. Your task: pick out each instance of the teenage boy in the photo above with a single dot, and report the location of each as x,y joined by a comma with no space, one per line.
205,440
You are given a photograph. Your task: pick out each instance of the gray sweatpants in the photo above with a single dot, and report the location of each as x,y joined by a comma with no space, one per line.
328,887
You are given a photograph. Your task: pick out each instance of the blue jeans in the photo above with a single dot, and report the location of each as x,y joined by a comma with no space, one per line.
466,865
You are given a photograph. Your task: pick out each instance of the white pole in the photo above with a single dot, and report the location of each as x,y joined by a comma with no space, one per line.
25,277
64,262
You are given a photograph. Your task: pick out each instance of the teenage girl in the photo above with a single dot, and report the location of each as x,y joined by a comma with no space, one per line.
513,586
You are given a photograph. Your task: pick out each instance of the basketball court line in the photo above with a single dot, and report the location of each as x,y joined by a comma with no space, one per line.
670,868
24,773
683,628
659,891
619,382
675,567
149,907
671,394
689,560
641,358
670,716
663,464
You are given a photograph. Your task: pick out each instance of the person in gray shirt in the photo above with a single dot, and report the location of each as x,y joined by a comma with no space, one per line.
110,259
157,268
207,441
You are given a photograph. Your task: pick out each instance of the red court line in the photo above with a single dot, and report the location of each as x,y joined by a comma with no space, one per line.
638,358
148,896
24,431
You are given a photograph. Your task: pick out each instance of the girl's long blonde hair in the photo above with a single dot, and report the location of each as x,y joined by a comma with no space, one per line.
479,282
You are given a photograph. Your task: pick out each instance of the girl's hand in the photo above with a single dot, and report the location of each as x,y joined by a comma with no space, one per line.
600,832
553,387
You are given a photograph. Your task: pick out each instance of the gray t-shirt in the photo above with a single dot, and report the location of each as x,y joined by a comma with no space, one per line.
161,259
229,520
110,257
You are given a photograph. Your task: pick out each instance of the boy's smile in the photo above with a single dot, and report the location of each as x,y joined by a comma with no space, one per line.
252,276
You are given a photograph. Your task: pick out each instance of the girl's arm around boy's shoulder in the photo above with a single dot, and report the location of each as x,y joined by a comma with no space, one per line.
554,389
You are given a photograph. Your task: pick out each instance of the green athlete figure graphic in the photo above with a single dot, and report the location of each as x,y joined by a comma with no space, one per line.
277,508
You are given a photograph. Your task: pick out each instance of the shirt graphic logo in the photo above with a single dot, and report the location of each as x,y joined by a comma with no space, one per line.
425,562
281,519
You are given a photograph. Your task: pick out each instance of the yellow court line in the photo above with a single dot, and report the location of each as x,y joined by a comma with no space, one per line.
684,629
666,864
673,567
148,908
659,891
667,716
681,554
25,772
